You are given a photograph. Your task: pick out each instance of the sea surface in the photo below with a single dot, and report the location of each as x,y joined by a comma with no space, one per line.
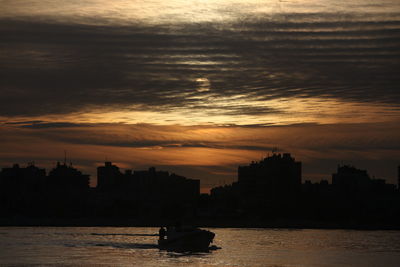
133,246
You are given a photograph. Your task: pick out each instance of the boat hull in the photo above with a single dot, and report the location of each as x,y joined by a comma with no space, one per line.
198,240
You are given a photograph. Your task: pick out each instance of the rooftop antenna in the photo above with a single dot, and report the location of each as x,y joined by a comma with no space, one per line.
65,157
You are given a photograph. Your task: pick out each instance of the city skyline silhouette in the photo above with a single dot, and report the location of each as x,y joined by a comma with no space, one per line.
264,191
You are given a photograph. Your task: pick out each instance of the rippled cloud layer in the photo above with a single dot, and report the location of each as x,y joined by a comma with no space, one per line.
259,68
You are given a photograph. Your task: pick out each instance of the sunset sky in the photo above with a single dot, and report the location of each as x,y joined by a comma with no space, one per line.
200,87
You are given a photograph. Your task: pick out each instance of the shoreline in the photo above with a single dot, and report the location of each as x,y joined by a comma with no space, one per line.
270,224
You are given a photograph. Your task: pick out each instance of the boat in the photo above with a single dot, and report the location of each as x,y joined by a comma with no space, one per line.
193,239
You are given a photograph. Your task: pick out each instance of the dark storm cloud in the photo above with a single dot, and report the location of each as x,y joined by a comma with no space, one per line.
48,68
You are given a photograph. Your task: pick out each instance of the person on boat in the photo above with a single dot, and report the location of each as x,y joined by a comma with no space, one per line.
161,233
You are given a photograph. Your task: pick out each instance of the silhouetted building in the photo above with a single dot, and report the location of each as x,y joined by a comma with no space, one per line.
146,191
21,188
22,179
67,191
276,176
321,188
156,185
266,191
398,178
225,201
68,179
109,177
348,179
271,187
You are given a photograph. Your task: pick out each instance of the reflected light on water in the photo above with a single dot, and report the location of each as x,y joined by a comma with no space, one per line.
127,246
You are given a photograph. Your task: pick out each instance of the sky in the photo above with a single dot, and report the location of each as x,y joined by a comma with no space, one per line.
200,87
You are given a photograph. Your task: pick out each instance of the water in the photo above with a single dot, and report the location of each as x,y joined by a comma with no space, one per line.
132,246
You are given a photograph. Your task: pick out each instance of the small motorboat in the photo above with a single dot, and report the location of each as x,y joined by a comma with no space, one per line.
193,239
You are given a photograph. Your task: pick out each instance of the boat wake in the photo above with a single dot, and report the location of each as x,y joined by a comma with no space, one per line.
125,245
118,234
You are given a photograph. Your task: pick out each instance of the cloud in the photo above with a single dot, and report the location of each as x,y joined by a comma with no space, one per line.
58,68
360,136
23,122
44,125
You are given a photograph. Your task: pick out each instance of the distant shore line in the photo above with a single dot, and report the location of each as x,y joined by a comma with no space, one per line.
278,224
